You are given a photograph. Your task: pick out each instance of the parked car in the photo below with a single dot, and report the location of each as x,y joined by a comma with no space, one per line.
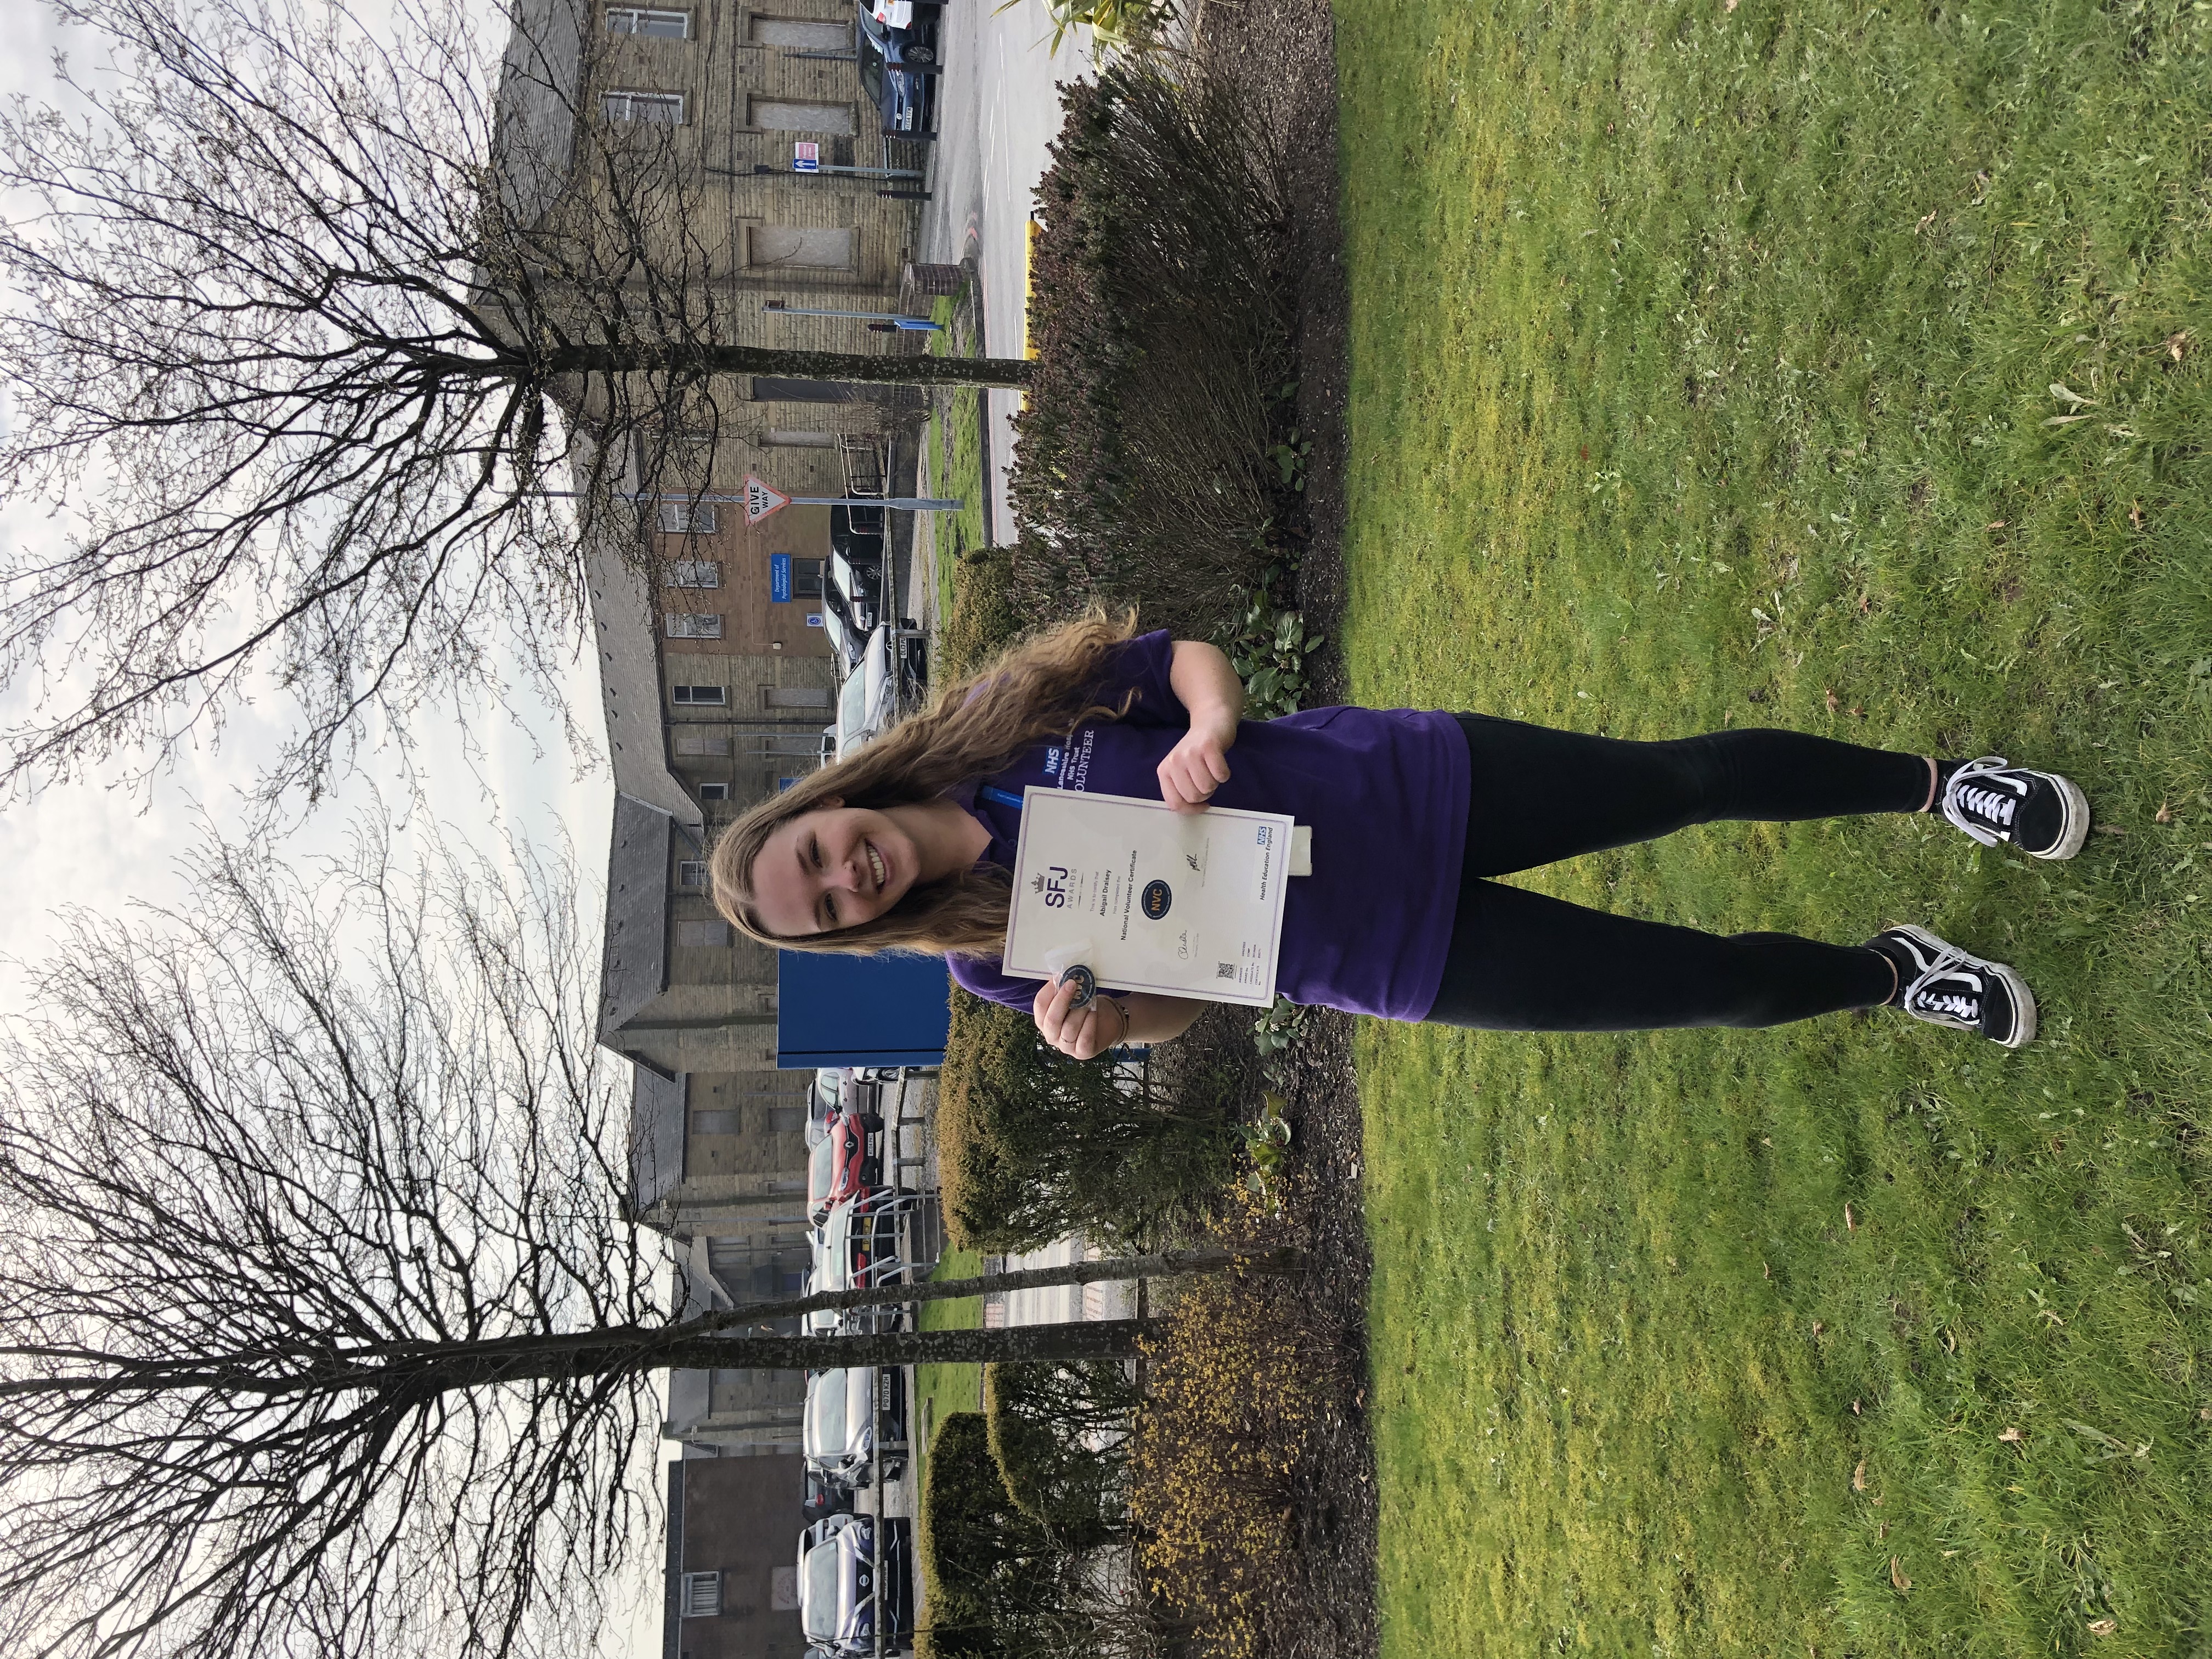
915,20
858,1250
847,643
895,668
905,97
833,1087
855,1572
823,1321
859,584
823,1497
844,1406
847,1162
857,532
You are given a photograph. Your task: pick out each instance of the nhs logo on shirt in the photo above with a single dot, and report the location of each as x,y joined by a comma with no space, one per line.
1074,771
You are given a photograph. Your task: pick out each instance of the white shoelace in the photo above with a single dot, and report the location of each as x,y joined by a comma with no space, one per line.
1963,794
1968,1010
1947,990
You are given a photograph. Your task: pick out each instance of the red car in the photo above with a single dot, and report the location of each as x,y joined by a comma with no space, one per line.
847,1161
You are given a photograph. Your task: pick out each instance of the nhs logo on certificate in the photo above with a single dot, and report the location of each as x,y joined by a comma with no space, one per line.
1185,905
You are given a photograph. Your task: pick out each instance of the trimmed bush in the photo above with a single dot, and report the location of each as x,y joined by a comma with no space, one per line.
985,620
1161,318
1059,1433
998,1585
1032,1146
979,1554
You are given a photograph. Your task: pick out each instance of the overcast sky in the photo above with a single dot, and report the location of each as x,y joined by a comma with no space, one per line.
103,848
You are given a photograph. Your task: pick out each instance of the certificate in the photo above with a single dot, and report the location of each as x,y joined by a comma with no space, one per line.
1186,904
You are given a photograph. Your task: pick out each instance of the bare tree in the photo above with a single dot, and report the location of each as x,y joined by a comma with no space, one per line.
321,1317
297,308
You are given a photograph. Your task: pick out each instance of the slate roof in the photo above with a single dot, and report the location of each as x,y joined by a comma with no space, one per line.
656,1136
635,970
534,130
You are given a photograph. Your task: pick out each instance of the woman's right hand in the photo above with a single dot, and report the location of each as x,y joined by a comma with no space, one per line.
1079,1033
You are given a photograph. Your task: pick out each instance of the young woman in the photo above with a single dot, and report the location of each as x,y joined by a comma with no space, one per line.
908,844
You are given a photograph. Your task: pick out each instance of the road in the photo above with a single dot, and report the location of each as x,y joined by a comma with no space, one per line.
997,111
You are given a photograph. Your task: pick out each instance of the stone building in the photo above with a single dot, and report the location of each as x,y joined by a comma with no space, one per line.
732,1559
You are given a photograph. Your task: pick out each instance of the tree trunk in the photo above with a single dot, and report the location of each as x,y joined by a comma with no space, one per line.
1168,1264
1078,1338
693,1344
870,368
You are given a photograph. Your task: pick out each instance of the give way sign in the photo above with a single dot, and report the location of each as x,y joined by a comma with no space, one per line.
761,501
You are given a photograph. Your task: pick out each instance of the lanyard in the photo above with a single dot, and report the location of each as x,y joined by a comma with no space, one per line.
1004,798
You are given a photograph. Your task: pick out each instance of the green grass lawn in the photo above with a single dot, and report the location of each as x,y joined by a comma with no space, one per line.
956,467
1841,369
947,1388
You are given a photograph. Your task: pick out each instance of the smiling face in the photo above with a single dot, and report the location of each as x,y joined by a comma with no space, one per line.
835,866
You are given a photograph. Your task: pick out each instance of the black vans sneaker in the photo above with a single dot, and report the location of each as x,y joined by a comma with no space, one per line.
1945,986
2042,814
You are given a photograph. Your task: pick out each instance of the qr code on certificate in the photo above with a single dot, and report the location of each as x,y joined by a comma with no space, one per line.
1225,970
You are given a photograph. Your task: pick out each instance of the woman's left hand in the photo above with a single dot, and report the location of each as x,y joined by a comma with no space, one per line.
1197,766
1079,1033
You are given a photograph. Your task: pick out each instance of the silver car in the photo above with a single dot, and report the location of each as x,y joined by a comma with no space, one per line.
869,701
855,1572
843,1409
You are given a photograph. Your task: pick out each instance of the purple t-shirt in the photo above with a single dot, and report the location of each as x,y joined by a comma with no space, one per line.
1385,792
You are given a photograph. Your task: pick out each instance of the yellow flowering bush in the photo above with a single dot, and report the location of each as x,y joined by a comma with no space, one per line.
1235,1395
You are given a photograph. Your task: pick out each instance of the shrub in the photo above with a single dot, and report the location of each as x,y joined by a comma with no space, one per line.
977,1550
1059,1433
1032,1147
1161,319
998,1584
1237,1390
985,620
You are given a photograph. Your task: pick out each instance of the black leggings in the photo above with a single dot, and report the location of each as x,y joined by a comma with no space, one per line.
1520,962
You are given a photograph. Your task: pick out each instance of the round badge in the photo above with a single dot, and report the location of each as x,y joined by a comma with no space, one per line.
1156,900
1085,983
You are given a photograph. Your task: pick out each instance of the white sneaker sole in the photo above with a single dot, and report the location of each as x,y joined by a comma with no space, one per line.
2076,824
2023,1000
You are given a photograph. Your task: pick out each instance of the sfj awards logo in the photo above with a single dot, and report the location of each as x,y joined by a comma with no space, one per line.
1053,883
1155,899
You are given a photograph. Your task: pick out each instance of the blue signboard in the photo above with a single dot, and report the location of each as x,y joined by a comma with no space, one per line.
860,1011
779,578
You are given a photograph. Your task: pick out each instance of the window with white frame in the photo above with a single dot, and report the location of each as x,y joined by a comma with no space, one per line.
687,519
680,459
660,108
712,696
694,573
694,625
703,935
713,792
659,22
703,1596
690,872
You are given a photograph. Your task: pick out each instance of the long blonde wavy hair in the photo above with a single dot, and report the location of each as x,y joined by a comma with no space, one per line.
1033,693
